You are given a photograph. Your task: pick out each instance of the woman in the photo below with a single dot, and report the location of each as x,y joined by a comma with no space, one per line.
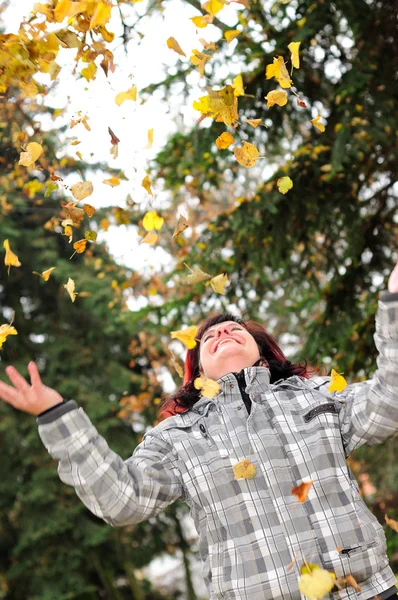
254,534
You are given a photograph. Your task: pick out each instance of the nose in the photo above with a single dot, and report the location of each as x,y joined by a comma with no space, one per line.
221,329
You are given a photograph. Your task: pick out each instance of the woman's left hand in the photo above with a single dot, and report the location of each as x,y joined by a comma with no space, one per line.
393,280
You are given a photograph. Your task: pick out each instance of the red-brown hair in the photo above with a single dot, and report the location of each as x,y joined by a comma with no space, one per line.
187,395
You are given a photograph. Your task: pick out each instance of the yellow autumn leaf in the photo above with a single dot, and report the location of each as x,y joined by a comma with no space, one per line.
219,104
196,275
11,259
174,45
278,70
89,210
152,221
244,469
112,181
186,336
246,155
237,84
70,288
391,523
90,235
213,6
284,184
131,94
101,15
146,184
276,97
89,72
202,21
82,189
218,283
177,365
30,156
150,238
317,124
294,51
254,122
224,140
64,8
317,584
6,330
231,35
208,387
337,382
80,246
150,138
199,59
45,274
182,225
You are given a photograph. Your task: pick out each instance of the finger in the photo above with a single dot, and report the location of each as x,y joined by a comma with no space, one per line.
16,378
8,393
393,280
34,374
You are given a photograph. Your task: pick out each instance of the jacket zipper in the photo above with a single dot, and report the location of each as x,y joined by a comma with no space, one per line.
240,378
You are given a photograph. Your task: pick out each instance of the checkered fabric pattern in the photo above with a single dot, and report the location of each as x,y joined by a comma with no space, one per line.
254,534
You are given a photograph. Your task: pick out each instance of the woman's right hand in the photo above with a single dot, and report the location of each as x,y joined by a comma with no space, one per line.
32,399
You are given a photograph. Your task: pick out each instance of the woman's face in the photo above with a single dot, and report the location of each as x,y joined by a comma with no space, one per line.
226,348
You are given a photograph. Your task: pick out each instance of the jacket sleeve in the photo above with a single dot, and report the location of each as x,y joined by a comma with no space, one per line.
119,492
369,409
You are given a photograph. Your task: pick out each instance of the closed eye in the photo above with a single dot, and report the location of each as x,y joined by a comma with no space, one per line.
207,337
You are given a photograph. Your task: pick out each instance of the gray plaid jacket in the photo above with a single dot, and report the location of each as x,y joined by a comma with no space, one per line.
252,530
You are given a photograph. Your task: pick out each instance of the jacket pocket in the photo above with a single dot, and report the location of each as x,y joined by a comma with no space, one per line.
314,418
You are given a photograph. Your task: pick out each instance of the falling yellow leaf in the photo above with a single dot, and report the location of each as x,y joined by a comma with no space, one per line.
30,156
152,221
202,21
294,51
182,225
209,388
89,72
11,259
150,238
174,45
278,70
80,246
146,184
317,123
89,210
186,336
199,59
6,330
131,94
64,8
246,155
218,283
254,122
90,235
224,140
70,288
301,491
113,181
244,469
177,366
196,276
391,523
45,274
101,15
231,35
150,138
276,97
284,184
213,6
337,382
104,224
237,84
81,190
219,104
350,580
316,584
